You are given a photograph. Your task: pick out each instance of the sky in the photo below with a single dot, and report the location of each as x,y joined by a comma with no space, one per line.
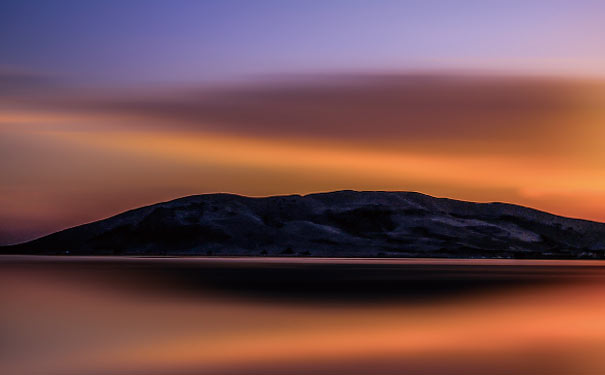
159,41
109,105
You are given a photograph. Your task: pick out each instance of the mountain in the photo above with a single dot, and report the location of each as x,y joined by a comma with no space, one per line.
341,223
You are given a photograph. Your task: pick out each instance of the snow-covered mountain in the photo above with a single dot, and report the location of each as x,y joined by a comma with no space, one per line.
341,223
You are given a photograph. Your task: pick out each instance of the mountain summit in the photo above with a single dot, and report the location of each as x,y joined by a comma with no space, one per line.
341,223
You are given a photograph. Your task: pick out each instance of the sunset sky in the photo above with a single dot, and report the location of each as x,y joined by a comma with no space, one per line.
109,105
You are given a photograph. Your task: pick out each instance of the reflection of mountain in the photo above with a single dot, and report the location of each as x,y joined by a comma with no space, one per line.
342,223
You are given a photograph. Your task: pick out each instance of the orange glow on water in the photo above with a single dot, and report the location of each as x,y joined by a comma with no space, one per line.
94,327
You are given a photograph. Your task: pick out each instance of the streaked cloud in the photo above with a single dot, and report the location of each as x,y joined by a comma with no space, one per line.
78,155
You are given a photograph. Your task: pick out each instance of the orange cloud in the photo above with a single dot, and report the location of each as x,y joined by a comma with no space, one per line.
535,142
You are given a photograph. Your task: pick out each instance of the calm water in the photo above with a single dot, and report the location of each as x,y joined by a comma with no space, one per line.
76,315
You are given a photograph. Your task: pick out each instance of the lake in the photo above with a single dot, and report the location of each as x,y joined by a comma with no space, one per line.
127,315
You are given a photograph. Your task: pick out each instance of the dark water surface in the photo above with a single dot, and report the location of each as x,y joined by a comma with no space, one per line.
114,315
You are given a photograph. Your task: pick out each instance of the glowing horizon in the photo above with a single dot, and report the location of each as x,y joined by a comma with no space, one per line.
86,157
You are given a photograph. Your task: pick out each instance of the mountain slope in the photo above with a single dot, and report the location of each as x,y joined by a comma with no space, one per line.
342,223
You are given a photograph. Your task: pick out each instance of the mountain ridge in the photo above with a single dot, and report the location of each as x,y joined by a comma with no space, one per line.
339,223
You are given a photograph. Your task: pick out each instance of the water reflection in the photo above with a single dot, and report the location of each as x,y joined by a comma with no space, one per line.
65,315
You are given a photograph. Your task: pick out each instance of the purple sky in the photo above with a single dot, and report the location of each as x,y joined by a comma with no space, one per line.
115,42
